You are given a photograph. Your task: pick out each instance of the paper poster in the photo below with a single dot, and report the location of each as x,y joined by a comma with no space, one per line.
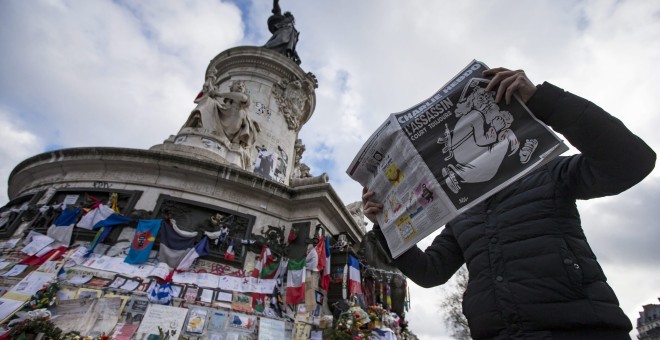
98,282
144,285
239,321
15,270
217,320
124,300
222,299
134,310
206,295
223,296
32,283
75,315
79,279
69,200
131,284
52,267
271,329
88,293
168,318
241,302
37,242
67,293
117,282
77,256
196,320
9,244
190,294
4,264
161,271
177,290
124,331
107,312
8,307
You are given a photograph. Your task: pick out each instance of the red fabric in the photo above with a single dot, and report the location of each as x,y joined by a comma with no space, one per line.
320,250
33,260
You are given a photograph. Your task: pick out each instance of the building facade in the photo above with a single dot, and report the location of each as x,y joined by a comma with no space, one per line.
648,323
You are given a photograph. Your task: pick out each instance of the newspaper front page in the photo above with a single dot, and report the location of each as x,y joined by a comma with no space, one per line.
441,157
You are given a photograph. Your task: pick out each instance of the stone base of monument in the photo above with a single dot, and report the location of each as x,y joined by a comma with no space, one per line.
203,147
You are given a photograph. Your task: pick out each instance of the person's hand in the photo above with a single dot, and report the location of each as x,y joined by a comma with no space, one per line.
370,208
509,82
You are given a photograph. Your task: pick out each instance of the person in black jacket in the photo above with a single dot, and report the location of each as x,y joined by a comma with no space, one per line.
532,274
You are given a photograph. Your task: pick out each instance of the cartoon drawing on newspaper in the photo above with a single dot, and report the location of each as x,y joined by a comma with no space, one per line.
448,154
480,140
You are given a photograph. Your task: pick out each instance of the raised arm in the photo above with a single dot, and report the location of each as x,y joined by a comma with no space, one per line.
612,158
276,7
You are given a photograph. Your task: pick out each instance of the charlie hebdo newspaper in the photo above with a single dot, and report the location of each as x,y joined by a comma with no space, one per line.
441,157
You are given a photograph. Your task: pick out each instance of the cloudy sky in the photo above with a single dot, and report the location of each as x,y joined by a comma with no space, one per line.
124,73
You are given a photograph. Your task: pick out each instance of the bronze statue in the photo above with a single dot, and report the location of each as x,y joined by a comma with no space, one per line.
379,268
285,35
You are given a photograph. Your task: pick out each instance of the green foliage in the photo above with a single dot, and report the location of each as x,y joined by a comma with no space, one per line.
40,325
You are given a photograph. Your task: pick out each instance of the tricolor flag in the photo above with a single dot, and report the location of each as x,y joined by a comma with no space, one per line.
174,243
355,286
62,229
320,251
325,278
201,249
229,253
143,241
101,216
266,266
295,282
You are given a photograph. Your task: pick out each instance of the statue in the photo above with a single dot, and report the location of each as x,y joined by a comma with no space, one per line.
379,268
300,170
355,209
285,35
225,117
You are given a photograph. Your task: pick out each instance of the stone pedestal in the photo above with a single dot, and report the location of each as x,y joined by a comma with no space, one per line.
280,99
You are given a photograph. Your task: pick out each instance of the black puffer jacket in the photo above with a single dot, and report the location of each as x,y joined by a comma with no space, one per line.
532,272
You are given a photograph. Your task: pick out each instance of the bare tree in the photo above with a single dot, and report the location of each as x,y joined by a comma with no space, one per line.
452,305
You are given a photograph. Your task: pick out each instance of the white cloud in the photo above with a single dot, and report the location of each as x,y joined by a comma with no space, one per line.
18,143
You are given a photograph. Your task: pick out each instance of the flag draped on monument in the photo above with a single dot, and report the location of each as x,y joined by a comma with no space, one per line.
355,285
295,282
143,241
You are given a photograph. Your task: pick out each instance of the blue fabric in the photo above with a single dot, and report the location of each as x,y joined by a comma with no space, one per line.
143,241
161,294
67,218
112,220
173,240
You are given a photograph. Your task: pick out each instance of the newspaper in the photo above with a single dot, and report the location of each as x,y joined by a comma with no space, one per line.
441,157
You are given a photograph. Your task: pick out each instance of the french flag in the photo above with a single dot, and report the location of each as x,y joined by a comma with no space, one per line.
201,249
325,278
229,254
355,285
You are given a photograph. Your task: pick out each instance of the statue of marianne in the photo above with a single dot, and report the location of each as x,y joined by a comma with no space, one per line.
285,35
